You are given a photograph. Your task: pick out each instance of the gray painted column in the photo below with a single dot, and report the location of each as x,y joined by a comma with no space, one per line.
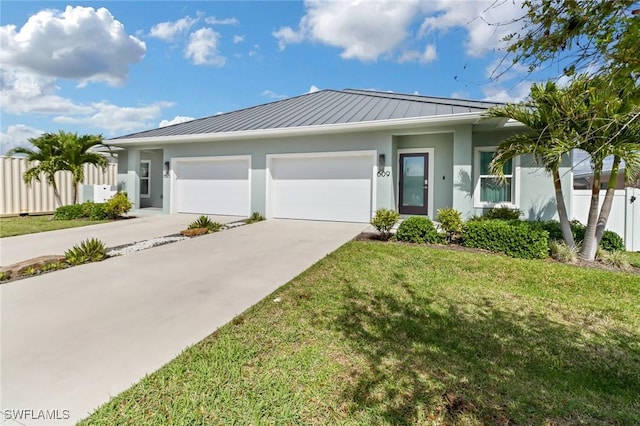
462,172
133,177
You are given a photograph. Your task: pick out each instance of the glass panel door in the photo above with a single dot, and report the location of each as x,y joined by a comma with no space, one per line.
414,183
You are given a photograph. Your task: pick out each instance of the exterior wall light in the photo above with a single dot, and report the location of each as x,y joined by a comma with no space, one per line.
167,168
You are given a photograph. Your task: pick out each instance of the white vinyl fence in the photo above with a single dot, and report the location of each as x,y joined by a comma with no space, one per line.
625,213
19,198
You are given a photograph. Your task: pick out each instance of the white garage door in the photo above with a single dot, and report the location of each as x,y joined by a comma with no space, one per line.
322,187
213,186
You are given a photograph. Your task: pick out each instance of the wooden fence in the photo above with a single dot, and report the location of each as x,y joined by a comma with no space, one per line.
37,198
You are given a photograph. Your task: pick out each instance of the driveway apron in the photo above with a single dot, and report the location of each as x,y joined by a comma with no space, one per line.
72,339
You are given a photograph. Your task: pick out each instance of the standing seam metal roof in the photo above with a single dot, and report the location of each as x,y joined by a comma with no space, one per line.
320,108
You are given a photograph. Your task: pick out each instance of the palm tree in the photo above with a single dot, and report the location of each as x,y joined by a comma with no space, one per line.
607,116
545,139
599,115
62,151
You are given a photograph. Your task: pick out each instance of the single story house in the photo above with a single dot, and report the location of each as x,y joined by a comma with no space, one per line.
335,155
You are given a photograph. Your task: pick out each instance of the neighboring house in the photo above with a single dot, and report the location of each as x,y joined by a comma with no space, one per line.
334,155
583,180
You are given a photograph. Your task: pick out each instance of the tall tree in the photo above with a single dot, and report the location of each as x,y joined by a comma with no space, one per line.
59,152
546,139
596,114
579,34
606,115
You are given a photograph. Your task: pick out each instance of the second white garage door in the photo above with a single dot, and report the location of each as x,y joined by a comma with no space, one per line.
213,185
336,187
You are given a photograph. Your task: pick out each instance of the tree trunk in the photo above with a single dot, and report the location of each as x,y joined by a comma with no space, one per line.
608,199
562,211
74,191
590,242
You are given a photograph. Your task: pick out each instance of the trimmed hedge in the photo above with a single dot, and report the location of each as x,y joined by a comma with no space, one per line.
610,240
513,238
73,211
418,229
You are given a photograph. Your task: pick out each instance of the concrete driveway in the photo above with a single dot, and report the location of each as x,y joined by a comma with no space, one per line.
143,227
74,338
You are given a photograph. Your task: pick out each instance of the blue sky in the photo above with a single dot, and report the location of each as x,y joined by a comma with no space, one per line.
119,67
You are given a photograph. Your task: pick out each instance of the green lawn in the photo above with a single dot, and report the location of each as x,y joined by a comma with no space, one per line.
400,335
634,258
12,226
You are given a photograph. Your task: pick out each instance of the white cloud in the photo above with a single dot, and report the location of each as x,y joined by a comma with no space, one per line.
272,95
429,54
515,93
202,48
369,30
176,120
212,20
313,89
80,43
286,35
23,92
486,21
254,51
114,118
17,135
167,31
365,30
238,39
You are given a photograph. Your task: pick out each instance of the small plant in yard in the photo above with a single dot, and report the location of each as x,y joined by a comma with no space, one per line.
384,220
451,222
513,238
4,276
73,211
561,252
205,222
117,205
54,266
30,271
92,250
503,213
418,229
617,259
255,217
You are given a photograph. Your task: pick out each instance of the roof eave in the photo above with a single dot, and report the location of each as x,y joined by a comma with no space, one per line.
399,123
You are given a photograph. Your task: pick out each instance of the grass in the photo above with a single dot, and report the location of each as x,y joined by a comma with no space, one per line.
634,258
401,335
12,226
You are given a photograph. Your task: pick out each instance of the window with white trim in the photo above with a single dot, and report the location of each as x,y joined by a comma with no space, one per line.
145,179
492,190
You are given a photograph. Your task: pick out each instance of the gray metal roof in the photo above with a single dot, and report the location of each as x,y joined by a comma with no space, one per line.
320,108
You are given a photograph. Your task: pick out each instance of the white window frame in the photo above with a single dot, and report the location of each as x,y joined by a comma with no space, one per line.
148,179
515,180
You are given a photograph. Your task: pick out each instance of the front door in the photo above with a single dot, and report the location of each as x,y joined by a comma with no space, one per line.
414,183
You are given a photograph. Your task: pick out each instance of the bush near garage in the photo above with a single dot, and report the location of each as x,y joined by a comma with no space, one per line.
513,238
117,205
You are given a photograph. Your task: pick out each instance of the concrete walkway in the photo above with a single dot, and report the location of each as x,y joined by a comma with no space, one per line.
74,338
112,234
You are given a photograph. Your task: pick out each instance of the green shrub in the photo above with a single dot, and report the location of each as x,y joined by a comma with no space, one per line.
205,222
513,238
255,217
418,229
98,212
451,222
4,276
503,213
384,220
610,240
117,205
92,250
73,211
